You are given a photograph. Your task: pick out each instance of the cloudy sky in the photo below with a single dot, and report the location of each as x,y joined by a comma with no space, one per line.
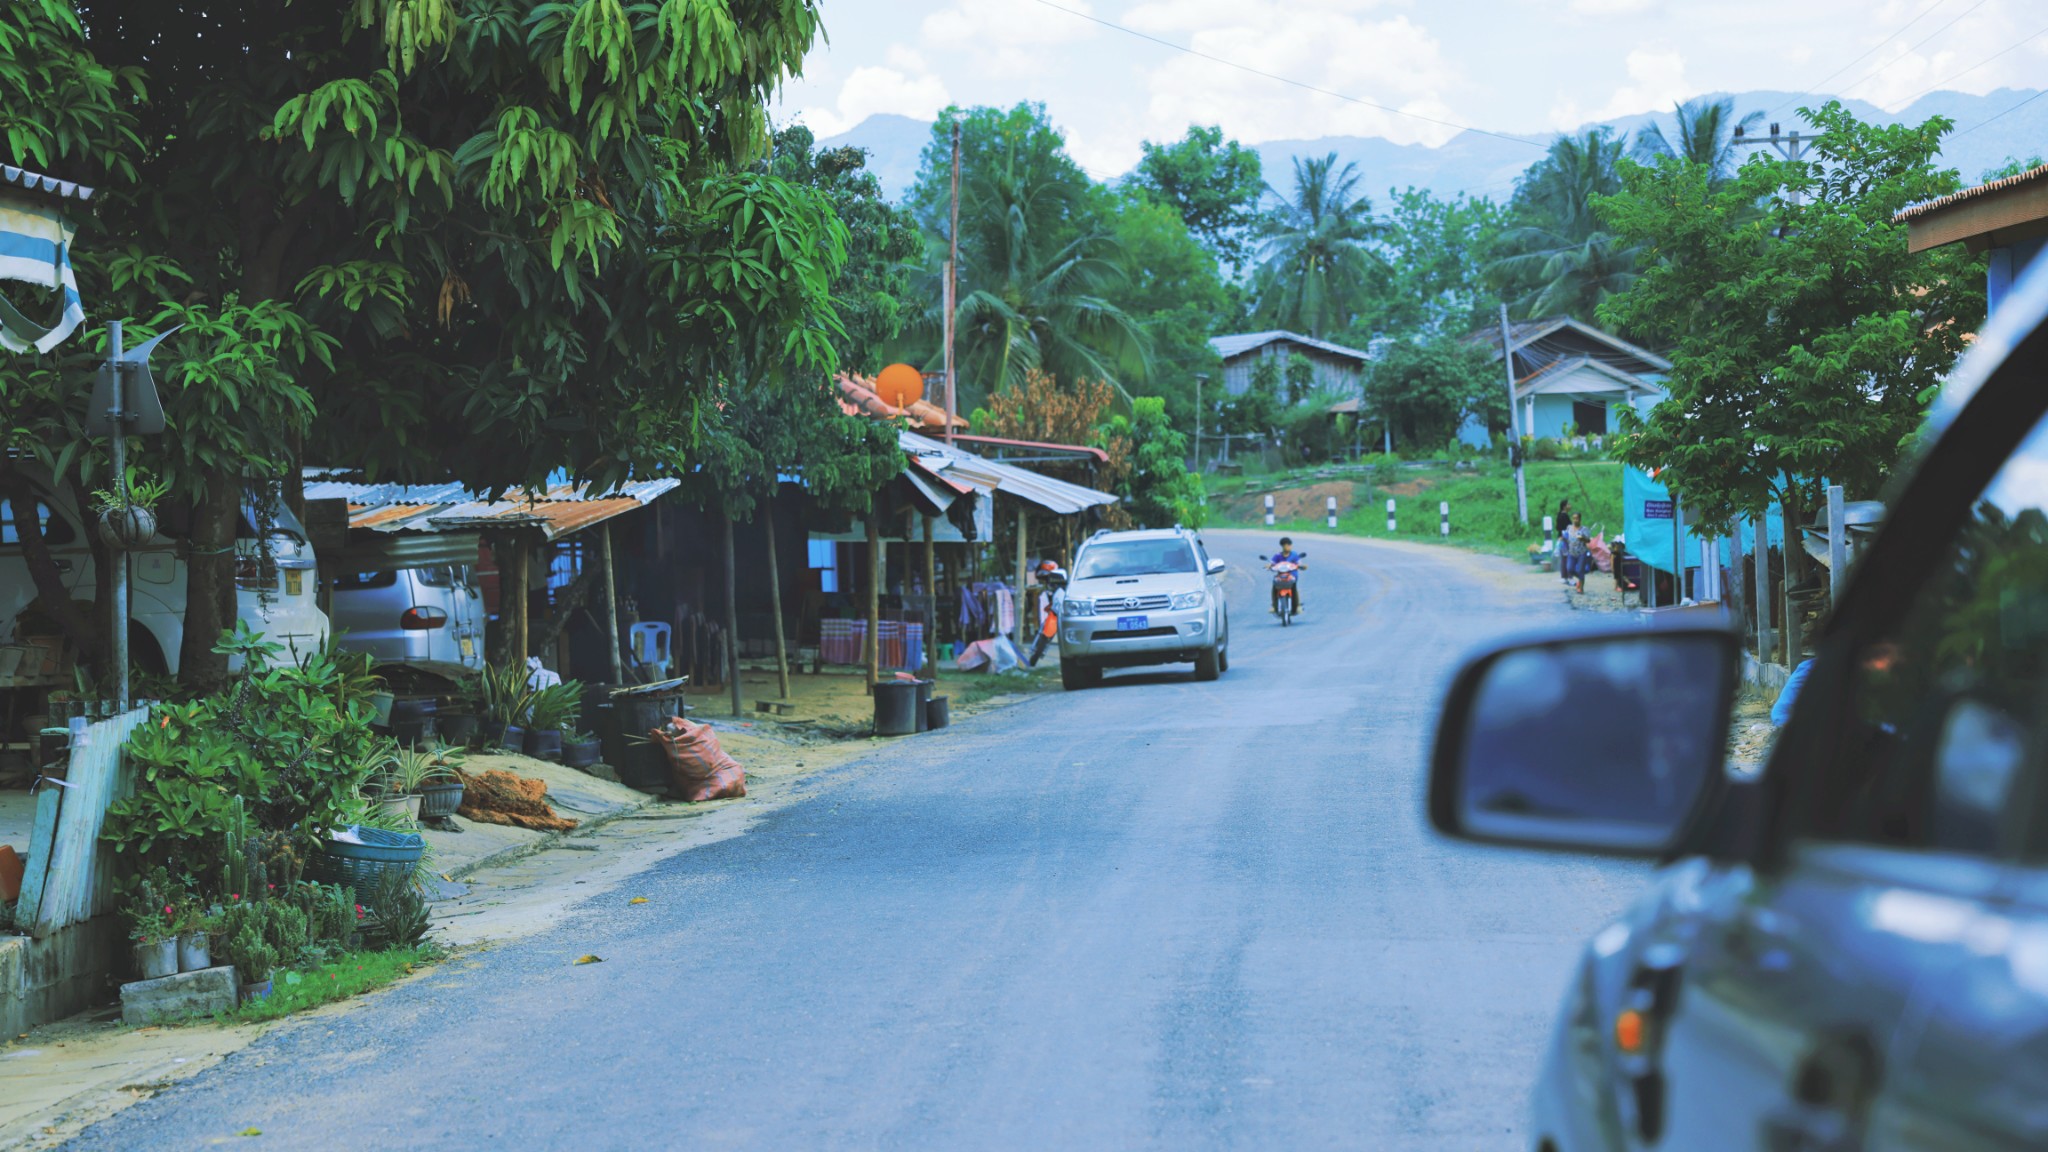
1507,65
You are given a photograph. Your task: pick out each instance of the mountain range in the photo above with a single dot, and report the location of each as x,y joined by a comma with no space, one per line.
1483,164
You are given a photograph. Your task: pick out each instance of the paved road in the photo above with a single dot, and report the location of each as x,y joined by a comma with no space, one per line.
1161,914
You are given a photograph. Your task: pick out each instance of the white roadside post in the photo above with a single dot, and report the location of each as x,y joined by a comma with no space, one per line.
1838,545
1549,537
1332,506
1269,510
1390,516
1443,513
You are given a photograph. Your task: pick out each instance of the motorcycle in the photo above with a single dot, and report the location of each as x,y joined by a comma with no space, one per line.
1052,579
1286,575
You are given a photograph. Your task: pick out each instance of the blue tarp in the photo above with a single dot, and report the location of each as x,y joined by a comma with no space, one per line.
1649,537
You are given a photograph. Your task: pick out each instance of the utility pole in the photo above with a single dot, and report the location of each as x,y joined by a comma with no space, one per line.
1200,379
1507,359
952,285
1791,147
118,449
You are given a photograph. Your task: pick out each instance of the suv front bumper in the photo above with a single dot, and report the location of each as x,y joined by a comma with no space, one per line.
1169,637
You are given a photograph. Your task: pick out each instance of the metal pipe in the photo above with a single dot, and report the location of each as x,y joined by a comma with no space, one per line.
118,449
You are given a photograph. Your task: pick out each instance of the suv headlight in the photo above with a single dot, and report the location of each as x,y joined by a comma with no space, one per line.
1080,608
1193,599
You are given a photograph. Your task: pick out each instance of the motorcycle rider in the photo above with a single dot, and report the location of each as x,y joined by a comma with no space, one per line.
1287,554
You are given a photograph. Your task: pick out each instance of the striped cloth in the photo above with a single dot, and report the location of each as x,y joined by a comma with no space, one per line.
844,642
35,248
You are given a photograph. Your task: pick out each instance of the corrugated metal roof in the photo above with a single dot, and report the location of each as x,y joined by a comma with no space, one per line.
45,185
987,475
560,510
1238,345
1912,211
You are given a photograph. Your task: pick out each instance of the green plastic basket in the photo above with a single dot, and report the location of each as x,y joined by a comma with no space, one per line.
363,867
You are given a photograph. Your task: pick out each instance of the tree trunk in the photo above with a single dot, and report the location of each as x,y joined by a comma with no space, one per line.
875,570
931,596
775,600
1023,632
611,604
513,607
209,586
51,595
732,619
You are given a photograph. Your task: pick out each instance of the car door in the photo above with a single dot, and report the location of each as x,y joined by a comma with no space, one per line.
1827,996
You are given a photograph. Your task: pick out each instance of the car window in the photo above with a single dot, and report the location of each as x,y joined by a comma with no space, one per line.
347,581
438,576
57,531
1134,558
1948,713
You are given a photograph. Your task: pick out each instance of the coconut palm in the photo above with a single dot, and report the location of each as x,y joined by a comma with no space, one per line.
1314,263
1558,259
1704,134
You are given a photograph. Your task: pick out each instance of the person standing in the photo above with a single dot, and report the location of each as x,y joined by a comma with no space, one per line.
1577,550
1563,522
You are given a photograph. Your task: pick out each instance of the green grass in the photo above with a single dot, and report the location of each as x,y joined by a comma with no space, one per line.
1482,500
350,974
1027,681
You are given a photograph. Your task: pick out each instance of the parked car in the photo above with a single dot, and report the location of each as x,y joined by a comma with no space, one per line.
1147,597
1847,947
277,601
412,615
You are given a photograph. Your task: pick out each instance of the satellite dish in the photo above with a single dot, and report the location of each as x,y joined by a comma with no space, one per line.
900,385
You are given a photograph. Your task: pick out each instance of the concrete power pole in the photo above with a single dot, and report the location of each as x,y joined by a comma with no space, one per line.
952,285
1791,147
1507,359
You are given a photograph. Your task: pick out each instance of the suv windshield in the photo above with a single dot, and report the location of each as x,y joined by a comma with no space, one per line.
1135,558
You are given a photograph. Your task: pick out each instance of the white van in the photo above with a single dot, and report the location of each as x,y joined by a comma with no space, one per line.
431,615
282,607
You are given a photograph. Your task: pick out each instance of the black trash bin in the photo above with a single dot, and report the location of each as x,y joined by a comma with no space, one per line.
896,703
938,712
924,704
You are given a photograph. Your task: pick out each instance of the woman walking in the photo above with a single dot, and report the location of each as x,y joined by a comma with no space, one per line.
1563,522
1578,553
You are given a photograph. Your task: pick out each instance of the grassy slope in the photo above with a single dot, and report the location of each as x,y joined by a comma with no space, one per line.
1482,500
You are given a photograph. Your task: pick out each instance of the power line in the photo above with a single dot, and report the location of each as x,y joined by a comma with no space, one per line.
1816,85
1284,79
2014,108
1977,65
1867,76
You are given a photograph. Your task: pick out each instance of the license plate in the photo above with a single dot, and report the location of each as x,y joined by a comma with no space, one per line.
468,647
294,582
1130,623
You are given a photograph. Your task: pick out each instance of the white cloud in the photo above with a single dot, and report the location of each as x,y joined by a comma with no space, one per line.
1656,82
1611,7
1334,45
905,87
1010,38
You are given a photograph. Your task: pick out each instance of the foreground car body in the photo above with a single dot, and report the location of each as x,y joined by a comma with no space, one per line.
1139,598
1848,947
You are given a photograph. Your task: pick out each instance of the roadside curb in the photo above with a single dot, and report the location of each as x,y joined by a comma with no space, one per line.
549,840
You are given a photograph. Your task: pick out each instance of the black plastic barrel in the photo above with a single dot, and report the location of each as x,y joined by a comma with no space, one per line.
896,703
924,703
639,715
938,712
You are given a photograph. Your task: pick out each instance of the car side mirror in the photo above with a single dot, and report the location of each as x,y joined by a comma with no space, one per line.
1215,566
1605,742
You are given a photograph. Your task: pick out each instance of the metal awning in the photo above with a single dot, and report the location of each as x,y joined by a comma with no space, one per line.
987,476
440,509
35,248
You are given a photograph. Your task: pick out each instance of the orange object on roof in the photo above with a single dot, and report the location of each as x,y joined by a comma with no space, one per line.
857,397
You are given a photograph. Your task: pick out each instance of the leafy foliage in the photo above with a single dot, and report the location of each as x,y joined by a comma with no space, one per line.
1316,260
1213,184
1557,257
1426,388
1158,490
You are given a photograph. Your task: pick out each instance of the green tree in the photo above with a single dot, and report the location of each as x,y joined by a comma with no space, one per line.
1316,260
1703,133
1175,292
1158,491
1038,268
1434,279
1255,411
1805,339
1423,389
1214,185
881,241
1556,257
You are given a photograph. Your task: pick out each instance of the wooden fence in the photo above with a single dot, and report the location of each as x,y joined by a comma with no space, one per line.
70,875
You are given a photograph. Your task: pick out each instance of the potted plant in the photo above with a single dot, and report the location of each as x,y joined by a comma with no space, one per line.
460,718
506,702
254,960
440,790
128,511
554,712
582,750
151,929
193,930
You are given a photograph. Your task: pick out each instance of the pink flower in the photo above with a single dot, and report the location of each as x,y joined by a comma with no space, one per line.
167,909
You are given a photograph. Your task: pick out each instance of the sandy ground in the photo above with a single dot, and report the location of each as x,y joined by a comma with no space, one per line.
500,884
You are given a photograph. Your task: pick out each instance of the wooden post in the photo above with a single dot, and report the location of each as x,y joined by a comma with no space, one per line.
1023,631
732,618
611,602
931,587
875,569
515,608
1762,586
775,600
1737,595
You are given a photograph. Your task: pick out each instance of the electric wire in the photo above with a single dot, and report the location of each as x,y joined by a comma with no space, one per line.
1817,85
1979,64
1302,84
1874,72
2014,108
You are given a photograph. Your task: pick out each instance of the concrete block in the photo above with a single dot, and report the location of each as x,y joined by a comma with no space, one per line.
200,993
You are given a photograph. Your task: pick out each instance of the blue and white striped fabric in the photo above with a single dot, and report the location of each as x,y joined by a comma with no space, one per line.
35,248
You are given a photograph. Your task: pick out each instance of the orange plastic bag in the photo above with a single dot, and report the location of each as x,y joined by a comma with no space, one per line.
701,769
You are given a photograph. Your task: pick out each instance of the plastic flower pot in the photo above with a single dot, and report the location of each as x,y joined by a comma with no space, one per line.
440,799
256,990
157,958
544,744
407,805
193,954
513,739
457,728
582,753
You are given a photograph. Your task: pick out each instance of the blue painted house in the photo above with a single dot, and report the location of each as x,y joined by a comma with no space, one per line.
1571,378
2006,219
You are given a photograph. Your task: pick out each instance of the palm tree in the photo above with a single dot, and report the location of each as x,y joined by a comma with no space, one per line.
1034,279
1315,265
1558,259
1704,134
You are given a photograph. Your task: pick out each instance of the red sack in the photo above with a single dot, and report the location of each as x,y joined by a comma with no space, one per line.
701,769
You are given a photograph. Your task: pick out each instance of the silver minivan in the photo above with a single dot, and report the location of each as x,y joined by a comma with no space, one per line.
429,615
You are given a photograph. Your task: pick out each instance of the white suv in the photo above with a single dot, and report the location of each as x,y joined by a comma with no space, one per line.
1147,597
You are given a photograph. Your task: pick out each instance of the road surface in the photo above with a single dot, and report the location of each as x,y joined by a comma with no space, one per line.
1158,914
